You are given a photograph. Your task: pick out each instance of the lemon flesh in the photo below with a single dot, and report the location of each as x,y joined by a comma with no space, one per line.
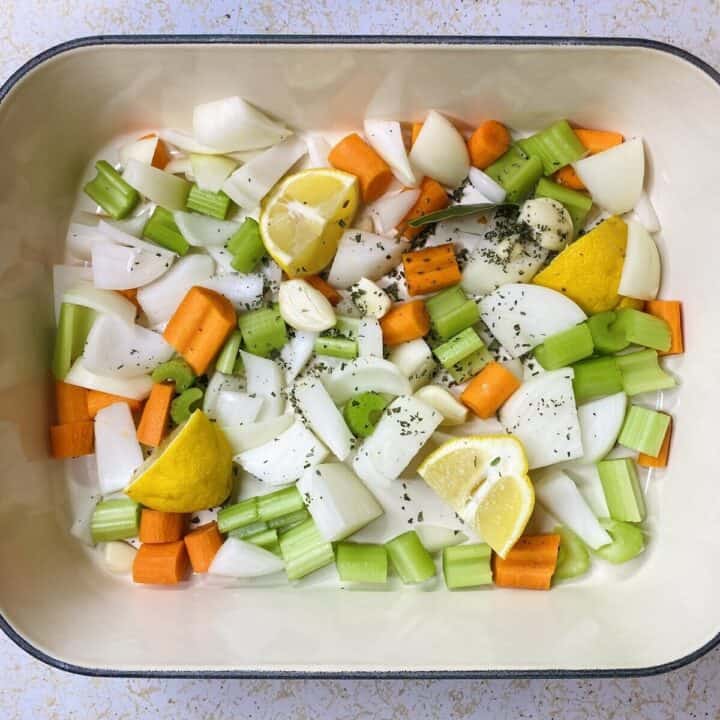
303,218
190,471
484,479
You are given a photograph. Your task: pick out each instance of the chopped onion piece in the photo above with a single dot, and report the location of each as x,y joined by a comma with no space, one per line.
252,435
385,136
645,214
264,378
161,187
388,211
363,254
640,276
211,171
296,353
485,185
318,150
103,301
237,558
436,538
440,152
180,166
370,338
117,449
219,382
116,267
67,276
236,408
245,292
137,388
364,375
184,141
81,238
204,231
142,150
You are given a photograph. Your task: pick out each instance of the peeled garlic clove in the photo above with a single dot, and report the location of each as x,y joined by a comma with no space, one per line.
453,412
551,223
305,308
118,557
369,299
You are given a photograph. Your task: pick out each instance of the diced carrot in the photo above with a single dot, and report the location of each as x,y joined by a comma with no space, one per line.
131,295
489,141
530,564
661,460
431,269
671,312
200,326
353,155
405,322
161,156
432,198
489,389
415,131
71,403
154,420
162,527
333,296
161,564
97,400
569,178
598,140
72,439
202,544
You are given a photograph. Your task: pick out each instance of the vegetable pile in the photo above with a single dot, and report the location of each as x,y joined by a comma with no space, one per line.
410,350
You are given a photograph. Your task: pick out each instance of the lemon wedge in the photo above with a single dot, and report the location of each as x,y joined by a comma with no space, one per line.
302,219
191,470
484,479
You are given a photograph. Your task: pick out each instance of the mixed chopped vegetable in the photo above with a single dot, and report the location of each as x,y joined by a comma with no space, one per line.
416,349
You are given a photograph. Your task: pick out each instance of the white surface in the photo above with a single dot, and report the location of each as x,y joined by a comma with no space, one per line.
27,26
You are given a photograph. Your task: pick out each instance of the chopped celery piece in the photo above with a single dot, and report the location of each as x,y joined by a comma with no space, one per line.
628,541
279,503
458,348
363,412
263,331
116,519
596,378
304,550
215,204
621,487
361,562
607,337
469,367
565,348
573,555
163,231
467,566
246,531
238,515
266,539
451,312
176,371
517,173
185,404
409,557
642,373
111,192
644,430
285,522
228,357
641,328
556,146
576,203
73,327
246,246
336,347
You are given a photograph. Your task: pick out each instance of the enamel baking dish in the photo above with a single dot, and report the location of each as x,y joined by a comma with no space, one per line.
58,604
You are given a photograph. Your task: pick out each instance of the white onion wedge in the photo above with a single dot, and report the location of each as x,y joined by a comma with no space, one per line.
436,538
203,231
218,383
180,166
485,185
370,338
103,301
286,457
160,299
317,407
186,142
600,424
440,152
236,408
645,214
117,449
142,150
245,292
318,150
80,240
453,411
252,435
118,557
296,353
265,378
389,210
223,259
232,124
415,361
118,349
560,496
137,388
161,187
587,480
385,136
125,233
240,559
364,375
116,267
67,276
338,502
363,254
614,177
248,185
211,171
641,270
132,226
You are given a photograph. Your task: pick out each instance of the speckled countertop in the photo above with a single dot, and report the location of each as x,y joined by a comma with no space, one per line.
29,689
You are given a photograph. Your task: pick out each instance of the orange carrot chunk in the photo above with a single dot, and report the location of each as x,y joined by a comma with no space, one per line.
530,564
488,143
661,460
431,269
72,439
97,400
200,326
489,389
569,178
156,413
432,198
71,403
131,295
671,312
161,564
161,156
202,544
353,155
333,296
598,140
405,322
162,527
